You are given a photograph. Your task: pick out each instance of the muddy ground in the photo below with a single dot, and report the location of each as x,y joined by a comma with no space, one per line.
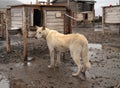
104,54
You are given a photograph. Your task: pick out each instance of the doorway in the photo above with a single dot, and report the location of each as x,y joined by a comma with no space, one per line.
86,16
38,17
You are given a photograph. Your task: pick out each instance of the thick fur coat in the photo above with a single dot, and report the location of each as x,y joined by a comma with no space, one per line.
77,44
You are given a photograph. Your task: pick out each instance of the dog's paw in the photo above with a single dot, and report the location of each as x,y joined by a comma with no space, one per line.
83,76
75,74
50,66
56,65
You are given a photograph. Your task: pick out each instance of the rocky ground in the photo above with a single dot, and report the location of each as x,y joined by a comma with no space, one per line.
104,54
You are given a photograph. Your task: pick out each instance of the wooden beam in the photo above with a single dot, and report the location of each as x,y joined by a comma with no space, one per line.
103,19
8,41
119,29
44,17
8,22
70,30
25,55
3,26
64,23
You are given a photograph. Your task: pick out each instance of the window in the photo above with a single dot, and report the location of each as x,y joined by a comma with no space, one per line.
80,5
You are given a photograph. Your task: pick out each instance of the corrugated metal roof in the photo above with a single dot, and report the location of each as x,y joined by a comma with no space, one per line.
6,3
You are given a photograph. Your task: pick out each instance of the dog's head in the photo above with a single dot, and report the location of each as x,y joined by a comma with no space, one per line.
40,33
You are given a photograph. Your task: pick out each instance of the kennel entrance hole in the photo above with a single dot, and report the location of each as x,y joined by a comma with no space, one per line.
38,17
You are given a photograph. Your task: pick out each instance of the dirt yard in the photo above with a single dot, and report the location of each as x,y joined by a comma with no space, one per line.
104,54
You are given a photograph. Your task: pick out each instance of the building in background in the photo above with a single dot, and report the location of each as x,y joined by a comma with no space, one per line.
3,5
82,10
111,18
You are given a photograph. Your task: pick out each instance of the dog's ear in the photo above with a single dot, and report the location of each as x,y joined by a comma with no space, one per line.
43,28
37,27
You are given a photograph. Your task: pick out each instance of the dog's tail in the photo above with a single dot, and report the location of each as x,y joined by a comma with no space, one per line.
85,58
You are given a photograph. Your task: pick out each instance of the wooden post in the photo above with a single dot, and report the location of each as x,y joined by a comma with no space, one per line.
8,24
64,24
25,34
119,29
2,27
70,31
44,18
0,23
103,19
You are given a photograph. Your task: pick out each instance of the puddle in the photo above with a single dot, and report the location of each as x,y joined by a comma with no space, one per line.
95,46
4,83
21,65
28,63
98,29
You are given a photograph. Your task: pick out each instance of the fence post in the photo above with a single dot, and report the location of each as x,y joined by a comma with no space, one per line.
25,34
8,24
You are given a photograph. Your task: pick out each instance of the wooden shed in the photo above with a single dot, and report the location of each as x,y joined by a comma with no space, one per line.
27,16
111,17
52,16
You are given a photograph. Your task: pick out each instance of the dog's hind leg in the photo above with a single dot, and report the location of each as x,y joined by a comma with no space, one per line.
76,58
84,55
86,63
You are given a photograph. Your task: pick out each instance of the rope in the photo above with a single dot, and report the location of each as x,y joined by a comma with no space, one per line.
71,17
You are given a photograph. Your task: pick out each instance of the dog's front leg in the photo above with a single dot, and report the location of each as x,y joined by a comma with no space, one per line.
58,59
51,58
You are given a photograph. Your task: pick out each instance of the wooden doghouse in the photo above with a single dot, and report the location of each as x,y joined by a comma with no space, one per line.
2,24
26,17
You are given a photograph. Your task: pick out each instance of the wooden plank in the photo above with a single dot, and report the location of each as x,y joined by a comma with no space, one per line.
56,27
55,20
56,9
55,24
112,20
52,12
16,14
16,25
16,18
115,18
16,10
50,17
16,22
19,11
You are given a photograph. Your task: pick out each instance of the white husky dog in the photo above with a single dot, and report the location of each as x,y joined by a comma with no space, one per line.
77,44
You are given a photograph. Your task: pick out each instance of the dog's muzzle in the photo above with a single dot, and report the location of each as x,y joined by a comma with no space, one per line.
35,37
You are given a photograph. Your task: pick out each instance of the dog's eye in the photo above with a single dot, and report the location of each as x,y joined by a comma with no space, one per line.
39,32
